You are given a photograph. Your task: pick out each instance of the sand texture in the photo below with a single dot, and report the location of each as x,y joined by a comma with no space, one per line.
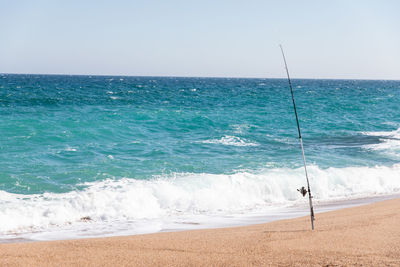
361,236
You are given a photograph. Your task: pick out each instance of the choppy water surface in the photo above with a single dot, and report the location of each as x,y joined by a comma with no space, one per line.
124,151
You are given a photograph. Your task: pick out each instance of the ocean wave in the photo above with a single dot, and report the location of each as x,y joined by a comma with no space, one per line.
189,194
389,142
395,133
229,140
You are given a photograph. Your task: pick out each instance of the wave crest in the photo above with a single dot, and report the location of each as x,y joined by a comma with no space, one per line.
190,194
229,140
389,142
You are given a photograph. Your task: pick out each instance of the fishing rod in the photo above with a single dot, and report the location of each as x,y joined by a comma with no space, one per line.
302,190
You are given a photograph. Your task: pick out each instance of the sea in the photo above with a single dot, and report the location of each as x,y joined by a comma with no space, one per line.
90,156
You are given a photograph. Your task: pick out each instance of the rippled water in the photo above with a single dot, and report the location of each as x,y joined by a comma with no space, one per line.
130,149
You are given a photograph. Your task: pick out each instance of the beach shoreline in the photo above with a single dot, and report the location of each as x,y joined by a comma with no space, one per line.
362,235
175,224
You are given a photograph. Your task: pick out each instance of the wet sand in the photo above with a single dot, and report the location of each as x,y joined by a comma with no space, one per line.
364,236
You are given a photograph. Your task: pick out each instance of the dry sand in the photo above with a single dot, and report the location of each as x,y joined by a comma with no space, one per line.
362,236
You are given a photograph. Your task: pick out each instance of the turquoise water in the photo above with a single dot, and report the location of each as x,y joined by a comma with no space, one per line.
134,148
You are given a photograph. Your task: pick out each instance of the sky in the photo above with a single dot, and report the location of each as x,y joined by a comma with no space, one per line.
349,39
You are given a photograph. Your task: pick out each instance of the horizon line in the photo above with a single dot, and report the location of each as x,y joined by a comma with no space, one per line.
177,76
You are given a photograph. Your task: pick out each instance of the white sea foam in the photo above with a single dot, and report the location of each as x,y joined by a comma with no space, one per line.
395,133
118,203
230,141
389,142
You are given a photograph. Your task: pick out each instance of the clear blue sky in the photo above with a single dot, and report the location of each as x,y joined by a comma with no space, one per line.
323,39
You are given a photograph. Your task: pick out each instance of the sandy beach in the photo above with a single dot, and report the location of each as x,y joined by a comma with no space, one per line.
364,236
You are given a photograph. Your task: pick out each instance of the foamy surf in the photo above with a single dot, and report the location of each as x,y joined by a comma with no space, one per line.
229,140
119,205
389,142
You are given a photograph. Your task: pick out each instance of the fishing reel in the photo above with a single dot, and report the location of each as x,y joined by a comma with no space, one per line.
303,191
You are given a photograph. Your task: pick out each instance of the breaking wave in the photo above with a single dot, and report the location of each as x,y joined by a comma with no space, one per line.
389,142
189,194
